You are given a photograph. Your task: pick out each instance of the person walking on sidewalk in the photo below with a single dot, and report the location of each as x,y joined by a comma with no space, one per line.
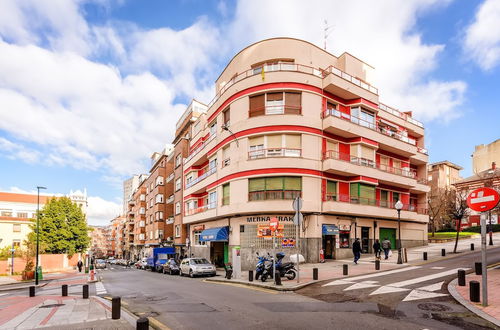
386,245
79,264
356,250
377,249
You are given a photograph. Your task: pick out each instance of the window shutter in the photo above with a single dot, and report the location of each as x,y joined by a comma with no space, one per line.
396,163
275,96
367,153
367,193
384,160
225,191
354,150
292,103
334,146
227,116
255,141
274,183
293,141
273,141
257,105
292,183
354,189
331,188
257,184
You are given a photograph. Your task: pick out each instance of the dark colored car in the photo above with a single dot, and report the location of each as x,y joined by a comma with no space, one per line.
100,264
171,267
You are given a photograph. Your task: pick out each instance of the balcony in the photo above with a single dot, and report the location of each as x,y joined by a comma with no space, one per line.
170,177
201,209
273,195
170,199
199,148
201,177
131,202
374,202
274,152
346,86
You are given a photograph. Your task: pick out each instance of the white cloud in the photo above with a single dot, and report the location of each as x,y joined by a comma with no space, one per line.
101,211
18,151
482,37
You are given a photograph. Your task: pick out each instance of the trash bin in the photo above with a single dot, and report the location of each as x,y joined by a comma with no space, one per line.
39,273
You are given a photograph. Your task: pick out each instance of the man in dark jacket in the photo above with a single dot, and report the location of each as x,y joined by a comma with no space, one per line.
376,249
386,245
356,250
79,264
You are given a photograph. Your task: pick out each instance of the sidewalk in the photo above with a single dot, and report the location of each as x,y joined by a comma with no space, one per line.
461,294
333,269
15,282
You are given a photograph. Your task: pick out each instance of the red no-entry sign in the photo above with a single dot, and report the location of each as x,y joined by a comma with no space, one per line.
273,224
483,199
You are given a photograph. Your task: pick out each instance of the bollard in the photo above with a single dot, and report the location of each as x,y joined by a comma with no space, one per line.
478,268
377,264
32,291
85,291
250,275
472,246
64,290
345,269
461,277
425,255
315,274
142,323
474,291
277,278
443,252
116,303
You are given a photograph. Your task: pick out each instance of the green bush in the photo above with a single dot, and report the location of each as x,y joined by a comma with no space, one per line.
477,229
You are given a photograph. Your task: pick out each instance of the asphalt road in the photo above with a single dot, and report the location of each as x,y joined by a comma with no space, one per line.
185,303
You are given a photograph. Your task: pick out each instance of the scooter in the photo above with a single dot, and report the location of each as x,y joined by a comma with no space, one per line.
260,266
286,269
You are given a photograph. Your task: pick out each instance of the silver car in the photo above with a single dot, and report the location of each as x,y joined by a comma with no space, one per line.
196,266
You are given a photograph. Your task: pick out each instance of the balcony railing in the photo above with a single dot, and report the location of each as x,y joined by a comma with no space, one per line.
373,202
274,152
201,177
348,77
170,199
201,208
273,194
400,114
374,126
403,171
170,177
200,147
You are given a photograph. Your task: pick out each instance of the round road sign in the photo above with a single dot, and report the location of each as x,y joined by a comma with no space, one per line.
273,224
483,199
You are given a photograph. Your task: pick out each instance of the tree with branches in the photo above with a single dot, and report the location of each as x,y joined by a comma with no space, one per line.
457,209
436,202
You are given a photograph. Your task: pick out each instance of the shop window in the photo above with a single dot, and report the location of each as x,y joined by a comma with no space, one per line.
362,194
344,240
331,191
225,194
197,238
269,188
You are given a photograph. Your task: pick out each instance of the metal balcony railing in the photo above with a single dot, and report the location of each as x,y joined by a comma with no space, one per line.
373,202
201,208
273,195
274,152
201,177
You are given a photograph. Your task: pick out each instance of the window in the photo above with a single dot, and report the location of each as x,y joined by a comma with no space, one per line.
362,155
177,208
16,243
429,178
363,117
151,186
159,216
212,200
212,163
384,163
395,198
159,198
344,239
331,191
142,197
177,230
213,129
196,128
189,178
279,187
197,238
159,181
160,233
242,228
16,228
384,198
6,213
178,184
275,103
256,145
331,109
225,194
150,219
178,160
225,156
280,145
142,210
227,117
22,214
151,202
362,194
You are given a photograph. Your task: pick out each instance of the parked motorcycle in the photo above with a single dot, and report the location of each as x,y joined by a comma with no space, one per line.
259,267
286,269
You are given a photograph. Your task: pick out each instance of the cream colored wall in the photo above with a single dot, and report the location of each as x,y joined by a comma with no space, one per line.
8,235
484,155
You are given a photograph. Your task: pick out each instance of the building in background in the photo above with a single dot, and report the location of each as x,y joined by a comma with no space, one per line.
129,186
99,241
484,155
17,212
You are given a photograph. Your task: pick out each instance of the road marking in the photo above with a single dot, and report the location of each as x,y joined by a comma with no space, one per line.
388,289
432,287
245,286
361,286
417,295
438,267
362,277
100,289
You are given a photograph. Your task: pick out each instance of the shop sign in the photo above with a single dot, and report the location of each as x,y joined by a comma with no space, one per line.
263,230
199,228
345,227
268,218
288,242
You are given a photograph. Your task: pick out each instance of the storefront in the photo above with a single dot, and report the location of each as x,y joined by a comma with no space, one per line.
329,234
218,239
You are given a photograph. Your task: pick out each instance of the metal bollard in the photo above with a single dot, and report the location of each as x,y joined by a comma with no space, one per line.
32,291
345,269
142,323
478,268
474,291
250,276
461,277
85,291
377,264
315,274
472,246
64,290
425,255
277,278
443,252
116,305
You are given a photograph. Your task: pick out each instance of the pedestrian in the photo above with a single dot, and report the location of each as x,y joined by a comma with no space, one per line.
377,249
386,245
356,250
79,264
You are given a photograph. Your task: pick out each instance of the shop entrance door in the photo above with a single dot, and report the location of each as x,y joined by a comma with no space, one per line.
365,239
218,253
329,246
389,233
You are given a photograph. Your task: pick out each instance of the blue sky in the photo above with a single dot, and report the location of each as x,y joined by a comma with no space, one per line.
90,88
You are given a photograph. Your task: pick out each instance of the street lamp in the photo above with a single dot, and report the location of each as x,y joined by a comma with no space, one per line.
226,128
398,207
37,231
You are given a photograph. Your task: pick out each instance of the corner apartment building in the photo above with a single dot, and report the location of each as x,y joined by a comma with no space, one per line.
290,119
484,155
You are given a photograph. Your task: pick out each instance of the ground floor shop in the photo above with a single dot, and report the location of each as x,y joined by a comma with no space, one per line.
328,234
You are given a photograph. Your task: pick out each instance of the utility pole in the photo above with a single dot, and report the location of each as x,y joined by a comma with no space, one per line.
37,231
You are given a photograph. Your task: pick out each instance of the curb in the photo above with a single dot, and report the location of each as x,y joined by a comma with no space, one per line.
262,286
454,293
450,256
5,288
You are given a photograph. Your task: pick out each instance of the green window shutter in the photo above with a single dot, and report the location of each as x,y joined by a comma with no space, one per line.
274,183
367,194
354,190
293,183
395,198
225,190
384,195
257,184
331,188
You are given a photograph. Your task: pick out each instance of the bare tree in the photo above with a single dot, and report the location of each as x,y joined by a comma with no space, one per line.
456,208
437,207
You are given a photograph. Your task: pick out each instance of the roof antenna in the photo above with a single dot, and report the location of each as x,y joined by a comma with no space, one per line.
327,30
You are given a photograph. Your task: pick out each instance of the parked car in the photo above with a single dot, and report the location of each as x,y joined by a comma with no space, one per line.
142,264
110,260
171,267
196,266
100,264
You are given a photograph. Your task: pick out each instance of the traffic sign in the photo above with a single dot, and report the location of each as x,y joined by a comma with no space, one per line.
273,224
483,199
297,203
298,218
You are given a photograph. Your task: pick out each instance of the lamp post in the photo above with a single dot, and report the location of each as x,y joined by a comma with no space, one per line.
37,231
398,207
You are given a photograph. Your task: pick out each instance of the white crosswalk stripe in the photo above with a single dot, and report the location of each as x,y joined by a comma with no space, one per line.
3,294
100,289
352,280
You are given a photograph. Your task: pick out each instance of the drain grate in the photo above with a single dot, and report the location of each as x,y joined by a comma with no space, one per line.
431,307
51,305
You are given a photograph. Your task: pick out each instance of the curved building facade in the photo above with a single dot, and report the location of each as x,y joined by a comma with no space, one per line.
290,119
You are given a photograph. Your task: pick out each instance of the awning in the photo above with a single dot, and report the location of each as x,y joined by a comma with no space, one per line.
219,234
330,230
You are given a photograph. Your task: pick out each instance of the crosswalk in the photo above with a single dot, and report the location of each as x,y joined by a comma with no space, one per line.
372,282
100,289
